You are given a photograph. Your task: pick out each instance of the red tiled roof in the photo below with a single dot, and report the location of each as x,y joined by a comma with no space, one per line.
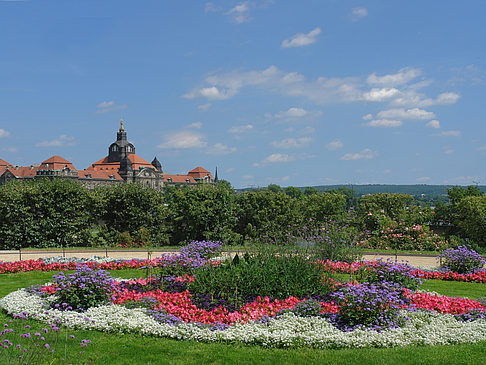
4,163
20,171
56,163
179,178
103,164
199,172
95,174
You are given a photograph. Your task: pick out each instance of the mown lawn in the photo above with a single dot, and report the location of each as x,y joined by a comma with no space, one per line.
132,349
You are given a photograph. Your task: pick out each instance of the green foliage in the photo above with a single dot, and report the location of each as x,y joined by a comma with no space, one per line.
276,272
322,206
457,193
391,204
274,188
257,210
294,192
202,212
471,218
131,208
310,190
43,213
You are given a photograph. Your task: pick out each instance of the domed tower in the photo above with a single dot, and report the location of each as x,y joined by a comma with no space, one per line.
121,146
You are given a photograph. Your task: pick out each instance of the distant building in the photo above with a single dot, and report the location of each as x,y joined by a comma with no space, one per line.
121,165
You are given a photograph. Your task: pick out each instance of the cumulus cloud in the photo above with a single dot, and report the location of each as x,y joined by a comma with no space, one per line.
278,158
412,98
451,133
211,93
367,117
62,141
240,13
403,76
4,133
220,149
185,139
433,124
448,150
195,125
384,123
108,106
301,39
423,179
365,154
335,145
414,113
204,107
237,129
292,143
292,113
380,95
359,13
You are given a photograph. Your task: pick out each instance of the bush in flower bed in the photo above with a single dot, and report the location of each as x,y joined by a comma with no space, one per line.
83,289
388,271
463,260
270,272
375,306
201,250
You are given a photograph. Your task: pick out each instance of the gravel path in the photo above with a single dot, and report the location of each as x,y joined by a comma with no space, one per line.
424,261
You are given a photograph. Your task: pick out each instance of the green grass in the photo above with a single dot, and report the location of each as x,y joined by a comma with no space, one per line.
131,349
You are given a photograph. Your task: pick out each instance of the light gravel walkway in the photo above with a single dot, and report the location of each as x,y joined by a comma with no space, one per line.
424,261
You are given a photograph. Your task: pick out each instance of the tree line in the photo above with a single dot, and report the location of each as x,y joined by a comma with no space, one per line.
62,213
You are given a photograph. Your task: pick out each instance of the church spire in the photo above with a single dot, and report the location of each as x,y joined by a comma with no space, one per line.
216,175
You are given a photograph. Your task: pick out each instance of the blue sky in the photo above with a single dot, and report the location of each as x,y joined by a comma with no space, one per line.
288,92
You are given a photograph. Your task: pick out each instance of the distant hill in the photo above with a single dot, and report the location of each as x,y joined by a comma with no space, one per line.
420,191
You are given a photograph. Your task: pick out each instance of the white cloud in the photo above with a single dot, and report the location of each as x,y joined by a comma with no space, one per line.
209,7
62,141
452,133
380,95
204,107
448,150
10,149
359,13
482,148
195,125
4,133
367,117
423,179
307,130
240,13
292,113
365,154
403,76
185,139
291,143
301,39
211,93
220,149
240,129
433,124
108,106
278,158
384,123
335,145
414,113
412,98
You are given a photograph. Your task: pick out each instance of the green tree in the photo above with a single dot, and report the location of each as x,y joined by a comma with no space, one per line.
201,212
274,188
294,192
43,213
311,190
131,208
323,206
457,193
391,204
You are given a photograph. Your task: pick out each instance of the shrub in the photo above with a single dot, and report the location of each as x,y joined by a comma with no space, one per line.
371,306
270,272
381,271
462,260
83,289
201,250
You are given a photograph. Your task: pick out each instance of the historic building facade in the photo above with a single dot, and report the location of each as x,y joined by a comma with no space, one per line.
121,165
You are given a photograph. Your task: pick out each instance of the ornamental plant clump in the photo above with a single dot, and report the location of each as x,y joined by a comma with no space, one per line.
380,271
201,250
463,260
83,289
370,306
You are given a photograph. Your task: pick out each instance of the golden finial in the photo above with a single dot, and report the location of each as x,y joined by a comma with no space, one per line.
121,124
